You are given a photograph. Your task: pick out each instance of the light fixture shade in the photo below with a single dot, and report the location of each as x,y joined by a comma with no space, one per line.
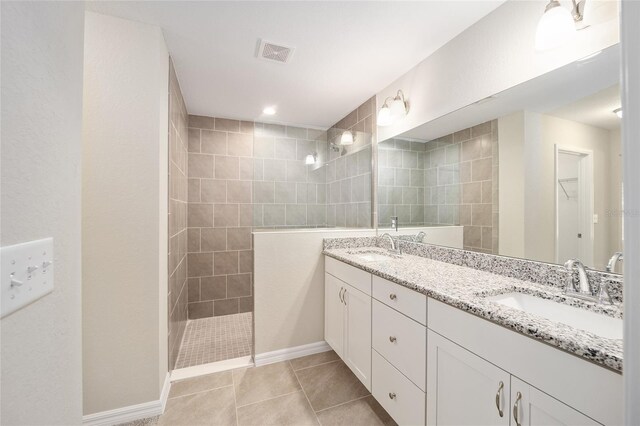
397,109
310,159
346,138
384,116
556,27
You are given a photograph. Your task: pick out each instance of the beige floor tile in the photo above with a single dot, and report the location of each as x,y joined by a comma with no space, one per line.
292,409
201,383
260,383
215,407
362,412
315,359
330,384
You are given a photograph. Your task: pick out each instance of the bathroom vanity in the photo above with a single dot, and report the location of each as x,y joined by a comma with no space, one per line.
436,343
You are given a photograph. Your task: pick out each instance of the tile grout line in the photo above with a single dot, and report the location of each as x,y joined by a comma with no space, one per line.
343,403
269,399
317,365
304,393
235,398
202,391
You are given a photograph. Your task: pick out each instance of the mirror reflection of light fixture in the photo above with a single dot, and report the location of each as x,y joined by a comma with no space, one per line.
311,159
392,111
557,24
618,112
347,138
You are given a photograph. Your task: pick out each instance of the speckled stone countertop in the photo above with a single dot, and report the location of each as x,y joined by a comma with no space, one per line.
467,289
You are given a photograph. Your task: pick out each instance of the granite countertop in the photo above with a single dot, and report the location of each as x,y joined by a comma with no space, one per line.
467,289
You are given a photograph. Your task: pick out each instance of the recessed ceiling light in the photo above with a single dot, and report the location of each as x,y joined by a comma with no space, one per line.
269,110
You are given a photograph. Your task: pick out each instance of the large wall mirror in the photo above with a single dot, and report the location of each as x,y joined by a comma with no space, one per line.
533,172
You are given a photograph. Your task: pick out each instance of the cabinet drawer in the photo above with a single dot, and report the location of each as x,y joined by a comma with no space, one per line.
409,302
357,278
403,400
401,341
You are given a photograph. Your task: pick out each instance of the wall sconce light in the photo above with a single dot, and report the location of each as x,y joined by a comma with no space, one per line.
393,111
311,159
618,112
557,25
347,138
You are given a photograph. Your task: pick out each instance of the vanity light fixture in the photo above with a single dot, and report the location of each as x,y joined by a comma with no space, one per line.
618,112
270,110
394,110
347,138
557,24
311,159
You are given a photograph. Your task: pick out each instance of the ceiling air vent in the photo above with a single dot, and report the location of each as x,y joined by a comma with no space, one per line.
274,52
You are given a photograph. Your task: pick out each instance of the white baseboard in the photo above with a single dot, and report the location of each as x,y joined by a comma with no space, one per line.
132,412
291,353
212,367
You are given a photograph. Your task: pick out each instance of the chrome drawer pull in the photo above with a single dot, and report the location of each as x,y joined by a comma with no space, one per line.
392,296
392,395
498,399
516,407
392,339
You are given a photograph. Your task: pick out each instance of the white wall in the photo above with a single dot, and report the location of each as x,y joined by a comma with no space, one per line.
124,202
289,286
494,54
631,152
527,183
511,184
42,52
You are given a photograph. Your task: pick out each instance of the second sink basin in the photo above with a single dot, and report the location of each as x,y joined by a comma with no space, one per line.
602,325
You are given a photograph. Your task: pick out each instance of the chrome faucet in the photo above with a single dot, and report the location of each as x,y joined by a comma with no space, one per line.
419,237
394,222
611,266
582,288
394,248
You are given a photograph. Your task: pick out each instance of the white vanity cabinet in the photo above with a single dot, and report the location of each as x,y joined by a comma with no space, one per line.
427,362
347,309
470,391
532,407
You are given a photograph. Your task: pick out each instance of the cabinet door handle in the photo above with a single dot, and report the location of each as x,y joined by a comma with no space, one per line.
392,296
340,294
516,407
392,395
392,339
498,394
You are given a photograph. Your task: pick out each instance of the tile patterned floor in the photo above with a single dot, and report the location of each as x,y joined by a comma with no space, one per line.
313,390
215,339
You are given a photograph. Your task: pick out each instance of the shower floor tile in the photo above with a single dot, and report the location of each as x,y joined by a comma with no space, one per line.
216,339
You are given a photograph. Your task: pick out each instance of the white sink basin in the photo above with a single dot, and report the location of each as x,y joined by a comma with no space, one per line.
373,257
602,325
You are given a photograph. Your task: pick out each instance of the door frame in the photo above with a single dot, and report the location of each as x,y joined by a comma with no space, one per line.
587,209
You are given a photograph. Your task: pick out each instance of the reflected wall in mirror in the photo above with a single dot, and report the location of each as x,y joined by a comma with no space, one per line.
532,172
450,180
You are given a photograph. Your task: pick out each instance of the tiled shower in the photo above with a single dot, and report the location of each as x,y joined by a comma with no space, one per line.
245,176
450,180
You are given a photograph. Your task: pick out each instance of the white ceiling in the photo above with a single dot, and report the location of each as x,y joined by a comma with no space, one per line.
581,91
595,110
345,51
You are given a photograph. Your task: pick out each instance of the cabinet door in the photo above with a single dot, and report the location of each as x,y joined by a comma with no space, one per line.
462,388
532,407
334,313
357,349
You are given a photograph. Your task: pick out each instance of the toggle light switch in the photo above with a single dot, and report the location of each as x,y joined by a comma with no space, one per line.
20,284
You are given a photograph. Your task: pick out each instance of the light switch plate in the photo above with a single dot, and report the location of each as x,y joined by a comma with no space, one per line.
27,273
